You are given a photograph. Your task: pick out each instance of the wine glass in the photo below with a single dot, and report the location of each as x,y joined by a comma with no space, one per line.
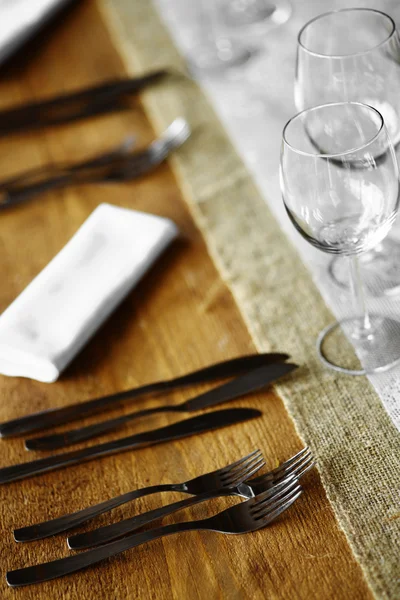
354,55
217,49
339,181
255,15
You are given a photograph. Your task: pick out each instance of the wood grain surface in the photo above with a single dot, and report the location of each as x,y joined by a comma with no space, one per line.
180,317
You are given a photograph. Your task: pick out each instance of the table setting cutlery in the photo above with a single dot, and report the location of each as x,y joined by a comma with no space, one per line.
197,486
179,430
248,382
265,498
244,384
115,167
240,484
71,106
107,534
67,414
37,174
251,515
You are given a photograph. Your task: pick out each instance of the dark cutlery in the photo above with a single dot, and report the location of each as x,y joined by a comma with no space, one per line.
296,465
244,517
87,102
244,384
187,427
57,416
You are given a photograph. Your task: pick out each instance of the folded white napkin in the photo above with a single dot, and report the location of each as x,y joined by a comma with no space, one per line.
50,321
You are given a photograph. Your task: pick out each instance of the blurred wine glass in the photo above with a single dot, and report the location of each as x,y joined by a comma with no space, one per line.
217,49
354,55
256,15
339,180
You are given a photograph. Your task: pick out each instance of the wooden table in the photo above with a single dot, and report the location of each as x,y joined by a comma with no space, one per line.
180,317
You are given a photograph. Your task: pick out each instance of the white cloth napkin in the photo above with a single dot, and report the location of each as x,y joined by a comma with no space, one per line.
50,321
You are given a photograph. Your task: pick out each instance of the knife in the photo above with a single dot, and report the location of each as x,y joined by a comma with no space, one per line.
87,102
176,431
52,417
244,384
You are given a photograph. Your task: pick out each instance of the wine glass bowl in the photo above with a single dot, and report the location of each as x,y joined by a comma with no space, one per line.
339,181
354,55
351,55
347,202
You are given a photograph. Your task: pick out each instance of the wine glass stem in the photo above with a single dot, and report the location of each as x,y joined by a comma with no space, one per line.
210,20
357,292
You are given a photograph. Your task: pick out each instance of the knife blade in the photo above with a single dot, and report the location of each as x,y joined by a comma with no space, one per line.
87,102
53,417
244,384
185,428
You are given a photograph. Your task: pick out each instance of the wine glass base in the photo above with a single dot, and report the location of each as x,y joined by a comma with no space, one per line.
214,59
379,269
257,13
377,352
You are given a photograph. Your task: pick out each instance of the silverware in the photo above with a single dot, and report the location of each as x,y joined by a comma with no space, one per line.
53,417
245,489
87,102
198,485
244,384
187,427
241,518
43,172
128,168
124,168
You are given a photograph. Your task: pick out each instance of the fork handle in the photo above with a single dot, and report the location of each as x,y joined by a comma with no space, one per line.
106,534
46,529
71,564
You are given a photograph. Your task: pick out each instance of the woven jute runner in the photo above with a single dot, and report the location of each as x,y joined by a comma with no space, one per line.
341,418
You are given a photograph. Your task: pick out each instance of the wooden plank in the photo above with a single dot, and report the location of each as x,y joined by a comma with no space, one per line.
180,317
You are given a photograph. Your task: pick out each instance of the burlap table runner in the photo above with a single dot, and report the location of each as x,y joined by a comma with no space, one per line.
341,418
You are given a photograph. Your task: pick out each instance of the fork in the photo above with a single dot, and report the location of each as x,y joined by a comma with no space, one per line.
242,518
209,481
198,485
37,174
247,490
173,137
119,168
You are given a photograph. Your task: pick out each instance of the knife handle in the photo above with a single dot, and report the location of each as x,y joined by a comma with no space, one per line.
53,417
187,427
75,105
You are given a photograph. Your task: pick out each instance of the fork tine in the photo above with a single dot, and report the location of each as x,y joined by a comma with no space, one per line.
225,477
285,466
246,472
276,492
283,505
237,472
294,469
269,503
293,459
260,508
228,468
290,465
283,484
306,467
